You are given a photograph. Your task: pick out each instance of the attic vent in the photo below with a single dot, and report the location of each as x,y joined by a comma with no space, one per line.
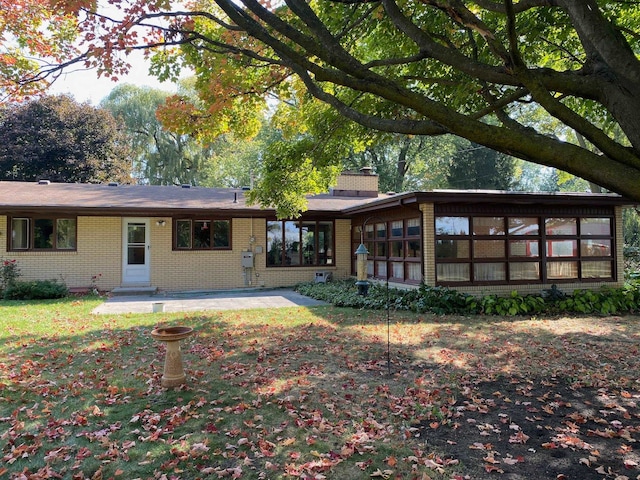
112,184
44,182
186,185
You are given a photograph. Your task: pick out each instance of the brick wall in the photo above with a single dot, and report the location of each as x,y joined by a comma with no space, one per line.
357,182
429,244
99,253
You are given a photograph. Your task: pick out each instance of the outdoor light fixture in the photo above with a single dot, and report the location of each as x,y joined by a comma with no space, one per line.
161,223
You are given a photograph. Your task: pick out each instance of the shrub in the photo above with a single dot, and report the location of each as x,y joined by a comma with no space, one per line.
9,273
514,304
36,290
631,262
441,300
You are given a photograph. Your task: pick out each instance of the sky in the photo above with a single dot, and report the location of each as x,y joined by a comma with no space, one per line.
85,86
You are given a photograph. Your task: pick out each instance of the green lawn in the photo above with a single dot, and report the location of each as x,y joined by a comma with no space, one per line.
306,393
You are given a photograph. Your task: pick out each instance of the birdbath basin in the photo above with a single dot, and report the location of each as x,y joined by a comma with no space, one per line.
173,374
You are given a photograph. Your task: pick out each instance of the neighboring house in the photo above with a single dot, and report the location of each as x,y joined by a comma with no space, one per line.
192,238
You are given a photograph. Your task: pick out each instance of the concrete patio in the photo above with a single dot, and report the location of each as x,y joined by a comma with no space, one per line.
198,301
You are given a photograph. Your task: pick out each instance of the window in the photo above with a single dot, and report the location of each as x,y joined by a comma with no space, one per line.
396,229
19,233
48,233
452,226
524,226
487,249
395,249
299,243
579,248
202,234
413,227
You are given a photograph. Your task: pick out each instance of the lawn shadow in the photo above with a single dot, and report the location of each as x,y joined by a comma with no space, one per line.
275,386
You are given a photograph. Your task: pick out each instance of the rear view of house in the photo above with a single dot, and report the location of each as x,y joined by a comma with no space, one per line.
193,238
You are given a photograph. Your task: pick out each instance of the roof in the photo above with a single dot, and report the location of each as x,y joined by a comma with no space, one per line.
494,197
113,199
102,199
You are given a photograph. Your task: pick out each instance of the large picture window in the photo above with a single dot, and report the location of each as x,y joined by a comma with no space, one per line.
43,233
295,243
489,249
202,234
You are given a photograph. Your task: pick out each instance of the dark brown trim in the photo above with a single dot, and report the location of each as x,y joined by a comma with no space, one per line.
137,212
472,199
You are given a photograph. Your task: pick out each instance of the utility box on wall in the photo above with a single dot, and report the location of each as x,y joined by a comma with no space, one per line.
323,277
247,259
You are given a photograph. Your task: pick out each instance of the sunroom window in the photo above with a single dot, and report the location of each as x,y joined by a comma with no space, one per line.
395,249
523,249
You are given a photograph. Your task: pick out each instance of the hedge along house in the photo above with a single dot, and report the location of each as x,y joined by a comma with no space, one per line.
176,238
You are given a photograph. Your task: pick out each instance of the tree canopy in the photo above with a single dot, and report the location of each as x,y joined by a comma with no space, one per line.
160,157
58,139
475,69
478,167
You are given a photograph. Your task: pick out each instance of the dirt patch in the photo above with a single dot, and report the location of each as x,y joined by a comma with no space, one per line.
516,428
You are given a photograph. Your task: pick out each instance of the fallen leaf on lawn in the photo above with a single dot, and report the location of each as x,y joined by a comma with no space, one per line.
381,473
480,446
492,468
625,449
519,437
97,475
490,459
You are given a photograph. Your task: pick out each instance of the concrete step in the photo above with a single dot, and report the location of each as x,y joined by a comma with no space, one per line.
131,291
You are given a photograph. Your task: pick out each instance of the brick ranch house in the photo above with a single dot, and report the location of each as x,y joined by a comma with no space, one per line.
175,238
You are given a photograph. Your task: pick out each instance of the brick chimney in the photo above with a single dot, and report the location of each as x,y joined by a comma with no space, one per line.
357,184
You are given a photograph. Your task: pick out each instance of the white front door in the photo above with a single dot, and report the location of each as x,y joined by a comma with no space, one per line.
135,251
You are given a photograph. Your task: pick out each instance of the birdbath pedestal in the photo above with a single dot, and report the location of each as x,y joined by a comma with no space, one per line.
173,374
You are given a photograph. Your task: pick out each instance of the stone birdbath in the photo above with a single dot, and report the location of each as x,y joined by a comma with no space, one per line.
173,374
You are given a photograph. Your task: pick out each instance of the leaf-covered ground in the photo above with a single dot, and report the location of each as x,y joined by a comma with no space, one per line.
297,393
